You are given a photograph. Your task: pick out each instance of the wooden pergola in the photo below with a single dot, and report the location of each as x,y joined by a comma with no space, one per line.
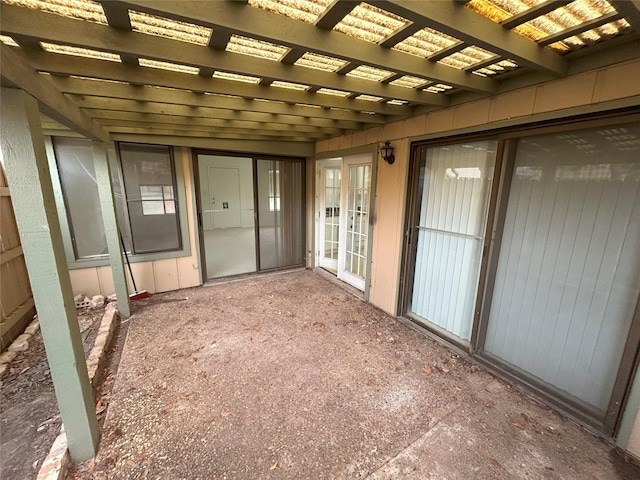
254,76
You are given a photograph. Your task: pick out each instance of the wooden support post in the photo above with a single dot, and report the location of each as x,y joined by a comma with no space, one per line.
111,228
28,174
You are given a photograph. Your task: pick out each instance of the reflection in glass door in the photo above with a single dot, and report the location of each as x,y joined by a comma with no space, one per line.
227,215
568,273
329,175
354,234
453,193
280,213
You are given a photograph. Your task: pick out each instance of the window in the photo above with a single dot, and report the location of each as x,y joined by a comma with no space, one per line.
157,199
74,160
147,210
274,190
149,180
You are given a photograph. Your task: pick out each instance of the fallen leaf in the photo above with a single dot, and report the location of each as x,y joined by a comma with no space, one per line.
427,370
225,413
274,466
518,425
409,410
495,463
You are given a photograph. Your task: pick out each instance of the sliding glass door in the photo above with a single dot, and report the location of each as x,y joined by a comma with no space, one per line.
280,213
227,215
568,273
452,185
251,214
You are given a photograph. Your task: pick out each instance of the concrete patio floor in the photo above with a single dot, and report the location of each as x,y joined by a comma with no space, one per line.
290,376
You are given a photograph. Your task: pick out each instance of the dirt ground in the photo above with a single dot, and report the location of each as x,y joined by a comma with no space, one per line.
289,376
29,416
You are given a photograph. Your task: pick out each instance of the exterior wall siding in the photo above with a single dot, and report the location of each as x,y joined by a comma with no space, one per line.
154,276
581,93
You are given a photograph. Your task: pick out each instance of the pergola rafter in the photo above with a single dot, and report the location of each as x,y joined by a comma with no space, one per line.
270,27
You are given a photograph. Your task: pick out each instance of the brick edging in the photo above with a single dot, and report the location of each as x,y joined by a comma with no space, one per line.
56,463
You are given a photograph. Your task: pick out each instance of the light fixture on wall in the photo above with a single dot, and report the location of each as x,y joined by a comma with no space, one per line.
387,153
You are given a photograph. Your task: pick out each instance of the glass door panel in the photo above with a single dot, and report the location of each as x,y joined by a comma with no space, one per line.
280,213
329,184
355,220
454,185
227,212
568,274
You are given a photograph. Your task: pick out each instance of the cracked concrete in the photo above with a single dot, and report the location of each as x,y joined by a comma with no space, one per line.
289,376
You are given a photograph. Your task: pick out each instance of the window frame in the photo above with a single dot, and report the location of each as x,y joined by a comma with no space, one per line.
73,263
178,202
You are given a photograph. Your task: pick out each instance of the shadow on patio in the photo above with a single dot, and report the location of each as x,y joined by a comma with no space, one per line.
289,376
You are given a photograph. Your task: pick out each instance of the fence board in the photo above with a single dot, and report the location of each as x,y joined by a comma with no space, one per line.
16,300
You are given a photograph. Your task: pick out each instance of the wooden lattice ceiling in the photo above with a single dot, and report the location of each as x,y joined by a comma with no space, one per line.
289,70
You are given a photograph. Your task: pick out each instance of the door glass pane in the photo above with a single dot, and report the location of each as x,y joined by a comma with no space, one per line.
332,211
281,214
454,189
568,275
357,219
228,223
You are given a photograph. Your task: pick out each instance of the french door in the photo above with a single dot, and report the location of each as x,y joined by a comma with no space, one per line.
329,188
343,214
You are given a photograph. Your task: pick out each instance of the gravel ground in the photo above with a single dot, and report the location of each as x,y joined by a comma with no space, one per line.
29,415
289,376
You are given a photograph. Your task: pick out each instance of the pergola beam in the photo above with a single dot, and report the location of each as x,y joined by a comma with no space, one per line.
581,28
274,28
401,35
111,117
630,9
218,106
18,73
335,13
456,20
68,31
249,145
534,12
107,104
117,15
445,52
236,135
68,65
283,134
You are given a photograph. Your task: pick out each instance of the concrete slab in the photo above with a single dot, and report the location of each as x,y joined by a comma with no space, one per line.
289,376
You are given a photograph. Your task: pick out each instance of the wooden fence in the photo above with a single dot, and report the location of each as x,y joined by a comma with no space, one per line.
16,301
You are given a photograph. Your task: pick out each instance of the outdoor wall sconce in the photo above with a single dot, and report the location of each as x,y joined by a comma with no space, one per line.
387,153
